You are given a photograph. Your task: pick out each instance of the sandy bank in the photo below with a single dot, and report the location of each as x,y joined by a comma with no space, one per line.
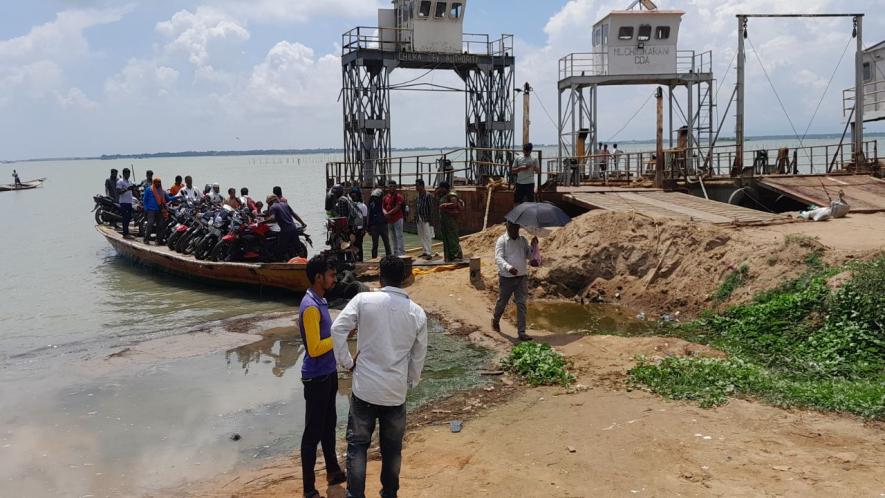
603,439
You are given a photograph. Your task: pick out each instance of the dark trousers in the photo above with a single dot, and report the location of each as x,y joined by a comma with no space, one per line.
285,241
320,418
359,234
126,213
379,231
524,192
151,224
360,426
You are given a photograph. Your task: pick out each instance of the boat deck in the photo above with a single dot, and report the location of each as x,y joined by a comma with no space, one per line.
864,193
674,205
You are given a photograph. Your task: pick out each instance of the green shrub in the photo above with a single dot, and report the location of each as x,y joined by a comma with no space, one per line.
539,364
799,345
732,281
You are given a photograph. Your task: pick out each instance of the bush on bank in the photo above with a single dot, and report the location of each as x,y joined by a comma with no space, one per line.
803,344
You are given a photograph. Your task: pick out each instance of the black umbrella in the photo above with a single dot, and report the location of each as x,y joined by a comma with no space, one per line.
537,215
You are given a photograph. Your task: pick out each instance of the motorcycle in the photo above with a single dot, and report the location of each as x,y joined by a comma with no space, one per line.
107,212
254,241
215,230
338,238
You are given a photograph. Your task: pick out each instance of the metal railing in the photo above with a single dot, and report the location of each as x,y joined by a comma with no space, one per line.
873,100
718,161
400,40
597,63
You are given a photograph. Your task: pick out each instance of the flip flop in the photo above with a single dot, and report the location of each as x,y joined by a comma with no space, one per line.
455,425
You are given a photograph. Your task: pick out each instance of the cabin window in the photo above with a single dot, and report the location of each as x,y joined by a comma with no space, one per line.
644,32
457,9
440,10
424,8
604,35
595,37
662,32
867,71
625,33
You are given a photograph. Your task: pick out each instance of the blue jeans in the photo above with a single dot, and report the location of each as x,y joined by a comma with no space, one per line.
360,426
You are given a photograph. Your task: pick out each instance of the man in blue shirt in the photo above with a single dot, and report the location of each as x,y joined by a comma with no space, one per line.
154,200
319,374
281,213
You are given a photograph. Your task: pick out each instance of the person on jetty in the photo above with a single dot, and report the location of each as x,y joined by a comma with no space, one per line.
525,168
16,179
124,196
110,185
377,223
450,206
393,211
391,332
356,195
176,187
512,253
189,193
319,374
424,218
154,201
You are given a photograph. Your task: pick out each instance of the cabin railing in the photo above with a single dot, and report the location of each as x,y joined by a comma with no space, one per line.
596,63
400,40
873,100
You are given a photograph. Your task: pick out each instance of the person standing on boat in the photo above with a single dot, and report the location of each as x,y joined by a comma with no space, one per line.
450,206
189,193
110,186
124,193
319,374
393,212
247,201
281,214
512,253
215,196
148,180
176,187
525,168
424,218
154,201
232,199
16,179
391,332
278,191
356,195
377,223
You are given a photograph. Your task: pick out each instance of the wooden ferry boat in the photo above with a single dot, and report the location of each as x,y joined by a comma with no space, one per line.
287,276
28,185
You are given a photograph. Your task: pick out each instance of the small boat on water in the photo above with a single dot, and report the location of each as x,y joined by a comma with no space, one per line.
30,184
287,276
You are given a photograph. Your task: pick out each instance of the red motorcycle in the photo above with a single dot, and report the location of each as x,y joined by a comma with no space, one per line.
253,241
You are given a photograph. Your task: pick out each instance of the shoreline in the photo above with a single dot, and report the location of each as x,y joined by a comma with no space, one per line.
602,436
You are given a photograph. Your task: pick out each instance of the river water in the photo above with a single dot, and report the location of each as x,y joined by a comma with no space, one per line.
79,415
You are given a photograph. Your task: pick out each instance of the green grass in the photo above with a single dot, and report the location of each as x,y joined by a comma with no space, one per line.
731,283
799,345
538,364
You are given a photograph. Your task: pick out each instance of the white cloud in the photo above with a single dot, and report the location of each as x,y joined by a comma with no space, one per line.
196,33
75,99
140,81
292,77
300,10
61,38
34,81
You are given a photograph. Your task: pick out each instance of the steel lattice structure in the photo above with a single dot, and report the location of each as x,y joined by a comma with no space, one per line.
487,69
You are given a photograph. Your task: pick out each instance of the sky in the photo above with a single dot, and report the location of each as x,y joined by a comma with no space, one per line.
91,77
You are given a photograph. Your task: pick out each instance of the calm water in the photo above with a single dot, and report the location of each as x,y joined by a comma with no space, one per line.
75,423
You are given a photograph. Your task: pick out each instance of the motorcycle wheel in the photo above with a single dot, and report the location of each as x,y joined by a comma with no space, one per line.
173,239
98,216
204,248
192,244
184,240
300,250
222,251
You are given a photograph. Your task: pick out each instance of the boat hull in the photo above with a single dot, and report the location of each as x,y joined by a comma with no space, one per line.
28,185
286,276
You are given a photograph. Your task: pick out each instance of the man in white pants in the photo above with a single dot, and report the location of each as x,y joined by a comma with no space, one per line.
424,218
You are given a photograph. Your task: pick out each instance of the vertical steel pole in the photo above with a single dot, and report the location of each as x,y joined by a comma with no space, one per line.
670,107
525,113
857,134
659,139
738,165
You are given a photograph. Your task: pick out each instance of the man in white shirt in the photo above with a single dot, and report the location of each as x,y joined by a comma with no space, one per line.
124,196
512,252
189,193
525,168
391,347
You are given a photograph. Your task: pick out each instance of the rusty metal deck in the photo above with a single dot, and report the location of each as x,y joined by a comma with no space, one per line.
674,205
864,193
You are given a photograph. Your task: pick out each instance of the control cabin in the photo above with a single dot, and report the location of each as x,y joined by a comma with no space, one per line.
873,67
631,42
424,25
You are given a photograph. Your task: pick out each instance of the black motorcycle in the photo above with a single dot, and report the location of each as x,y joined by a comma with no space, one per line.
107,212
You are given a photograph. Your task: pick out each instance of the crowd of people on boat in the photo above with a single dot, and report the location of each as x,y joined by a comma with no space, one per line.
153,209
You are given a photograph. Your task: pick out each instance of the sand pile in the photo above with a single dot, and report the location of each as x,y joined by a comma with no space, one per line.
656,266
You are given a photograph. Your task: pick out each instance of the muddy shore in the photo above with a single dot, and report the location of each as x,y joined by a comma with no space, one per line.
600,438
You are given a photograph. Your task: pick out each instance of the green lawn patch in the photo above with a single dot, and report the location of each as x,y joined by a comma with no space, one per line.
538,364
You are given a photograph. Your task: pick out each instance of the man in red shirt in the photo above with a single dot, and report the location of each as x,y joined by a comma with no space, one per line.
394,209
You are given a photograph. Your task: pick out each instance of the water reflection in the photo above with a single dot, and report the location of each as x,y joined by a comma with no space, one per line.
281,346
568,317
